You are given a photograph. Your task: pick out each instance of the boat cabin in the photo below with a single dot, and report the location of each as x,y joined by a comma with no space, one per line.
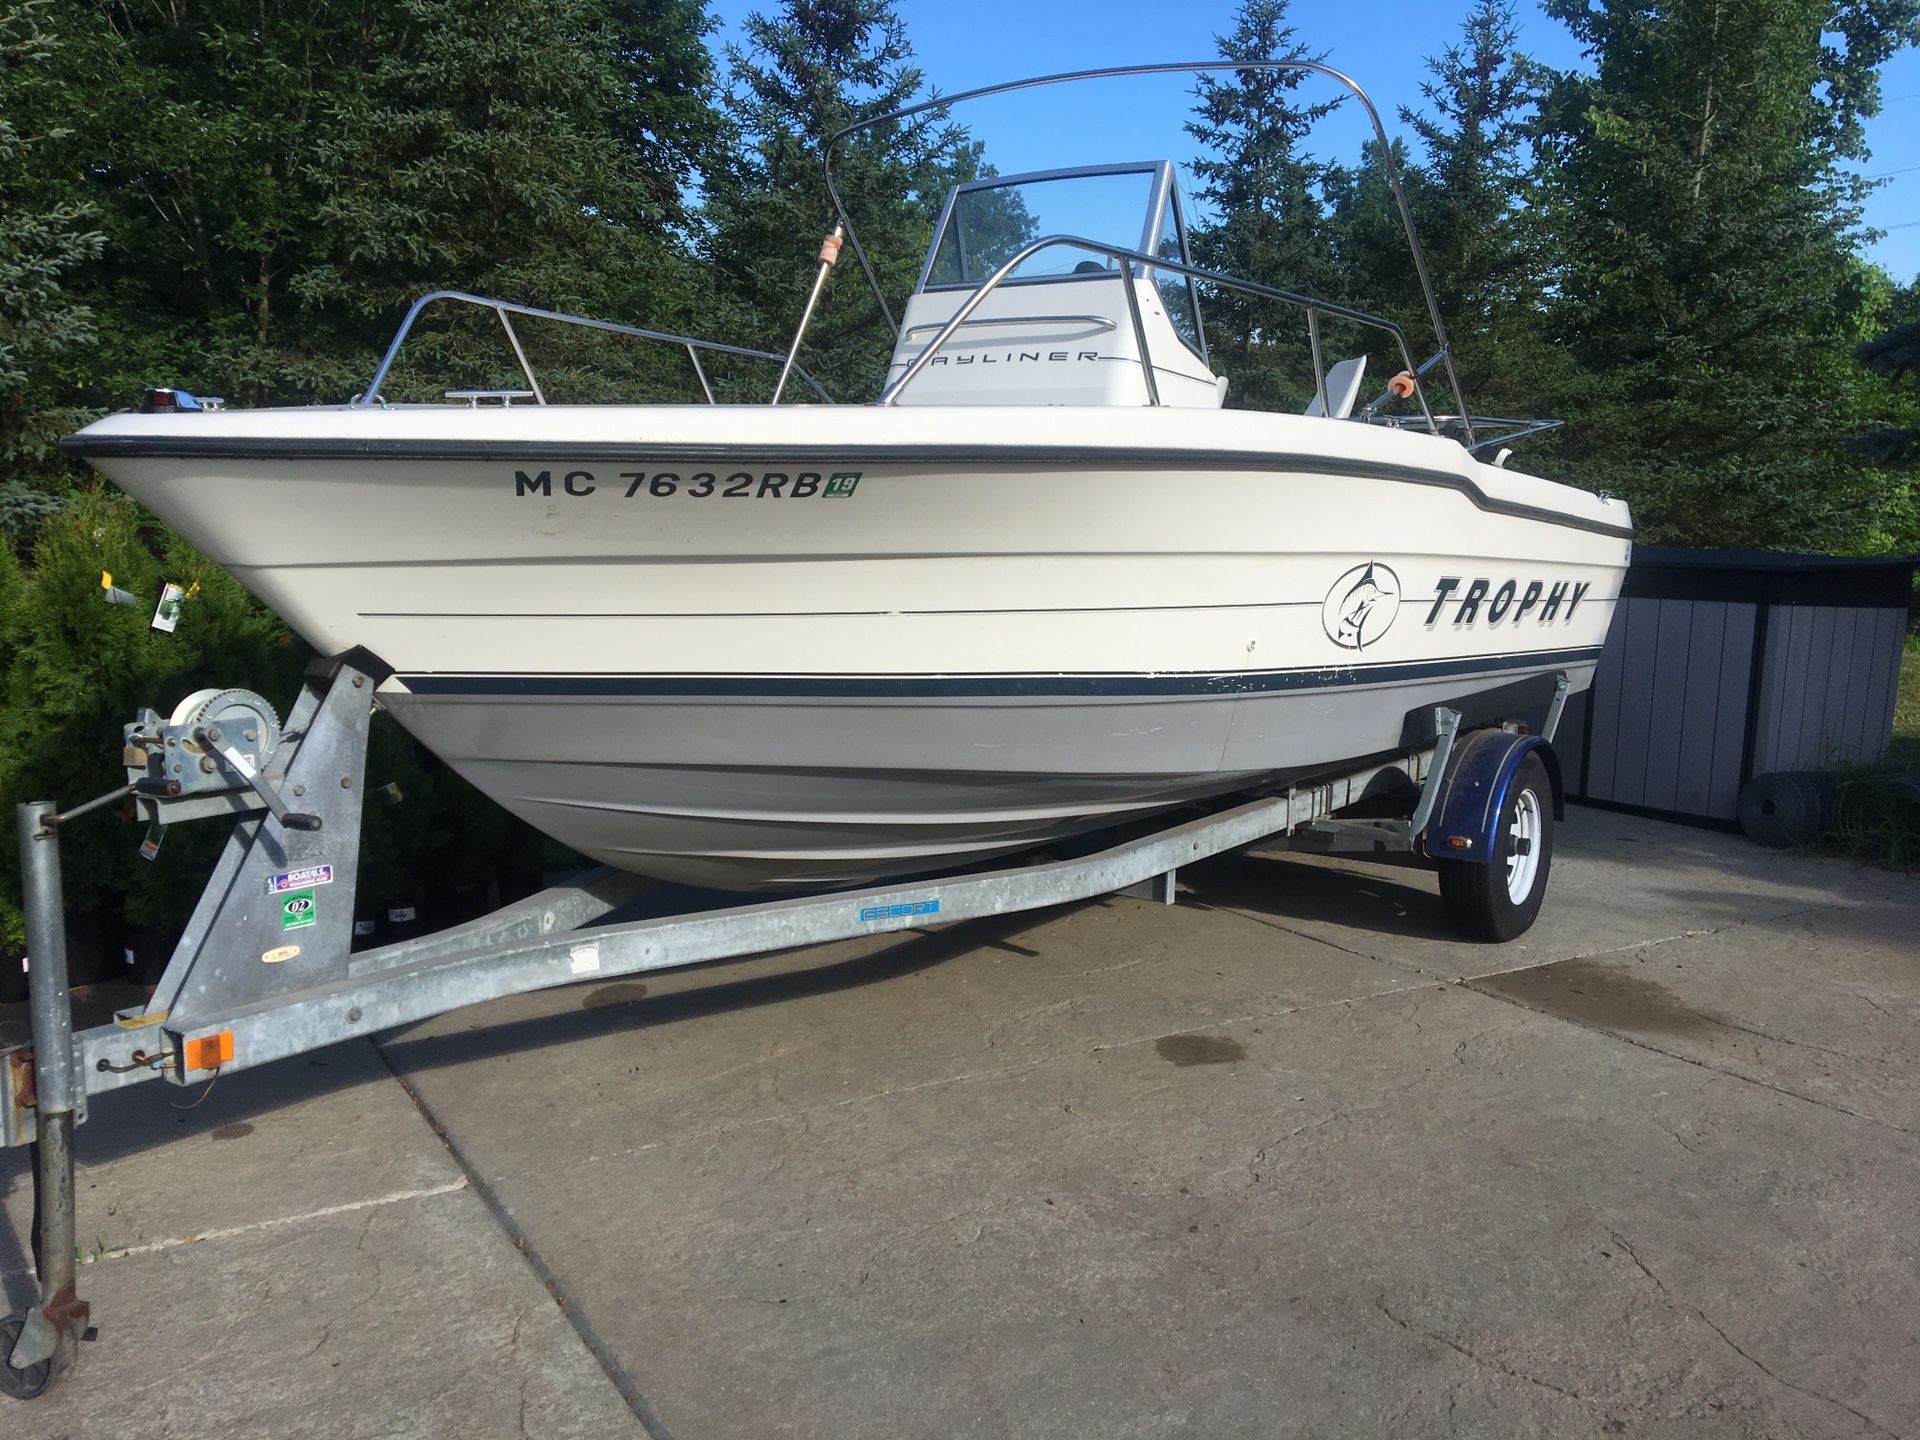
1059,328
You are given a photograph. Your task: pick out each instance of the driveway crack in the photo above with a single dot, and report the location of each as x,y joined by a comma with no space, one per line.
1493,1363
1627,1248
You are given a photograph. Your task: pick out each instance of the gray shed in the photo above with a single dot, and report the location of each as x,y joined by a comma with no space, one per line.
1726,664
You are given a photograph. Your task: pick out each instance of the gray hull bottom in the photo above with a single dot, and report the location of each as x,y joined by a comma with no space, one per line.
758,793
783,829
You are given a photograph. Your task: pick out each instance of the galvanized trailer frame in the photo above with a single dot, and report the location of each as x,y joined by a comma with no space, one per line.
259,976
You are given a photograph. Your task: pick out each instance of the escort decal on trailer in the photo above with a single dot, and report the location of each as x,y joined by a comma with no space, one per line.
901,911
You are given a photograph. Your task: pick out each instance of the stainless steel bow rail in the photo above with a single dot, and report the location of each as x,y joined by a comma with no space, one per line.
265,969
505,309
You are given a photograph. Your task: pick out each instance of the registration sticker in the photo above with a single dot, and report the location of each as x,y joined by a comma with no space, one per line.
298,911
300,879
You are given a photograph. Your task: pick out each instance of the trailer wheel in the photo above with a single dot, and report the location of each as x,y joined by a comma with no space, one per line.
1498,898
24,1384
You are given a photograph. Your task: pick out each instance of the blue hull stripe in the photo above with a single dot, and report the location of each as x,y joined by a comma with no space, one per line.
985,686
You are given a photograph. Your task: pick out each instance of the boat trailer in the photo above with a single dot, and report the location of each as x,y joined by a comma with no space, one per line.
265,968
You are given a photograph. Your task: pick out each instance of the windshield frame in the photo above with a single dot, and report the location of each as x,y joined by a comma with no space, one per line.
1157,193
1170,205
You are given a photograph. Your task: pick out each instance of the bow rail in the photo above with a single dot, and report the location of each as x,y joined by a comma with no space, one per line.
505,308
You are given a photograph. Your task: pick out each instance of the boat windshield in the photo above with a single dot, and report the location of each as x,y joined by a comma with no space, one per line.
987,224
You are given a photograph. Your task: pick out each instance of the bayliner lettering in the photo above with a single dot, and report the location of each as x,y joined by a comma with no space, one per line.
696,484
1017,357
1482,600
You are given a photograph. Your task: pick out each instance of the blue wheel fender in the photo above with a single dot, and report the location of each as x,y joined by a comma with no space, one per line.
1473,791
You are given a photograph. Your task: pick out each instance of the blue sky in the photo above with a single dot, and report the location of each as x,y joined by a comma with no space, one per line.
1383,45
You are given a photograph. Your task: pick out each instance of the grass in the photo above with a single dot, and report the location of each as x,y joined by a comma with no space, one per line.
1904,753
1877,809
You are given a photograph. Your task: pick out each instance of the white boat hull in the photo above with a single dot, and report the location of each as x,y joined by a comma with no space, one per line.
756,647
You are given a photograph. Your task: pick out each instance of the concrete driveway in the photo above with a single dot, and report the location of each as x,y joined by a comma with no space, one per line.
1282,1160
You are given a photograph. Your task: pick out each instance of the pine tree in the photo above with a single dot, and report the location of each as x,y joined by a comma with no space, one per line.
272,192
807,69
1706,280
1262,193
1894,355
44,331
269,188
1369,242
542,153
1485,250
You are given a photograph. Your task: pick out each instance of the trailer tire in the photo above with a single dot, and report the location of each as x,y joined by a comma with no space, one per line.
24,1384
1497,899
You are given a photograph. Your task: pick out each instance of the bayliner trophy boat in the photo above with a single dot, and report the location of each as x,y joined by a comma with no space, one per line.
1047,584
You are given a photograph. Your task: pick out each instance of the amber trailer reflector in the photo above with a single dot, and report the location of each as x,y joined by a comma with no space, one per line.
209,1052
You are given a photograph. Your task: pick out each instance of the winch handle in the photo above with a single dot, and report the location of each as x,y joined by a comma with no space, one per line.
243,767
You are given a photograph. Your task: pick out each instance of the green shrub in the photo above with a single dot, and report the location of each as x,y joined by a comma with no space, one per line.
77,668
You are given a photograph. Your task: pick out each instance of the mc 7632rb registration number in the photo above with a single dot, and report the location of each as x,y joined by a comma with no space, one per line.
697,484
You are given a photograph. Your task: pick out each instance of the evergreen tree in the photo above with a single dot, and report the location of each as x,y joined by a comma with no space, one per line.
1369,242
1483,243
44,331
269,189
807,69
1895,356
272,191
1262,194
541,153
1471,197
1706,282
76,669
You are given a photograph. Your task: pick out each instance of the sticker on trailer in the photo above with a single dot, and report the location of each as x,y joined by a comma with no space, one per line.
279,955
299,879
871,913
298,911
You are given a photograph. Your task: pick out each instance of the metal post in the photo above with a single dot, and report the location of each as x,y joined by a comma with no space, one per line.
1562,687
1139,332
700,370
52,1014
1319,372
520,355
829,252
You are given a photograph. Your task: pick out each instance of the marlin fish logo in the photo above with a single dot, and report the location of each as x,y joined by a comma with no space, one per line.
1357,607
1361,605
